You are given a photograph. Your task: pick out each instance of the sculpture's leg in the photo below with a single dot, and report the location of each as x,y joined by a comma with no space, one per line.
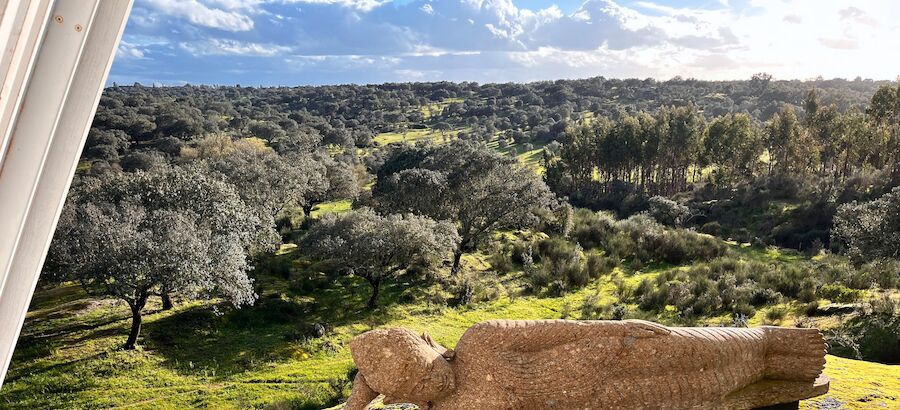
362,394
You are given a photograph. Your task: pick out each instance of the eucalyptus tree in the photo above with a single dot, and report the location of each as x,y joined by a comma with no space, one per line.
169,231
790,149
465,182
681,146
375,247
579,150
733,145
884,115
822,124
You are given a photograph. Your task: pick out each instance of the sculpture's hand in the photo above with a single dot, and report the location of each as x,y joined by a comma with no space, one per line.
361,396
443,351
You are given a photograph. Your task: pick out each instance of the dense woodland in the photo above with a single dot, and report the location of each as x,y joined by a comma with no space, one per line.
208,193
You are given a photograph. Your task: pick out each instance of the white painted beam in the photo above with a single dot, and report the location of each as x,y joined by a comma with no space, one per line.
47,130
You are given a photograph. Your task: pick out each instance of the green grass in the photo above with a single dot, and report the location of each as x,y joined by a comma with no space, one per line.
192,356
333,207
416,135
530,158
430,110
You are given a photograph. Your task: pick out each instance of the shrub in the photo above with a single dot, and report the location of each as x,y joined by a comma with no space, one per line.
836,292
808,287
599,265
566,310
744,309
775,314
593,229
812,308
502,262
466,289
725,284
557,265
668,212
874,337
616,312
883,273
590,307
711,228
642,239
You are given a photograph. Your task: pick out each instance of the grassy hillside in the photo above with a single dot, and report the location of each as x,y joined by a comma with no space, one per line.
204,355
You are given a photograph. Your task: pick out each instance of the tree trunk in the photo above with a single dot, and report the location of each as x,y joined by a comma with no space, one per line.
457,258
376,287
166,301
135,324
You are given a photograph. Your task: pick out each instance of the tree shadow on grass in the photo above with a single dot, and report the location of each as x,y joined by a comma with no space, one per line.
197,340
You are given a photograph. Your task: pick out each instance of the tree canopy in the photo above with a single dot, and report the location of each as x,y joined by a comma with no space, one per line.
376,247
171,231
464,182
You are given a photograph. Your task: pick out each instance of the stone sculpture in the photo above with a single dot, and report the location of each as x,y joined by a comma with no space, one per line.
562,364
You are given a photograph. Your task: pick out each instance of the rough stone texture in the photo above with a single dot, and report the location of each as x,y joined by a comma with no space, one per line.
561,364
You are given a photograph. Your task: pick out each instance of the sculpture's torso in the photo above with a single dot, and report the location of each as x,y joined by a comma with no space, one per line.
597,371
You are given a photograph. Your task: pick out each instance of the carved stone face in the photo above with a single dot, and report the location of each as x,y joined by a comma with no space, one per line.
402,366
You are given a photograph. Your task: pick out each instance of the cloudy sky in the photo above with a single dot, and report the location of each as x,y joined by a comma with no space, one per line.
294,42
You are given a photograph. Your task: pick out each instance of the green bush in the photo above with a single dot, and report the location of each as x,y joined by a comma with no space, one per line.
590,307
721,285
502,262
775,314
711,228
642,239
593,229
874,337
557,265
468,289
599,265
836,292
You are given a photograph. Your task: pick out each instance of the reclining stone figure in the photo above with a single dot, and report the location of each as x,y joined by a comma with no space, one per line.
562,364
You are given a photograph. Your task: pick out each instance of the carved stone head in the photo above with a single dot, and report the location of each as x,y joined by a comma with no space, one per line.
403,366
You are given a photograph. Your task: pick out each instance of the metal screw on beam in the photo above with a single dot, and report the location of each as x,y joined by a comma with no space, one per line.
78,28
58,19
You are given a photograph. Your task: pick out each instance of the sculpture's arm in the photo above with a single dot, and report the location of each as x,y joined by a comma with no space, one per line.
524,356
361,395
535,335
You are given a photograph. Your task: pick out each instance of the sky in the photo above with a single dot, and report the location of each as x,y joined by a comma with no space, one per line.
300,42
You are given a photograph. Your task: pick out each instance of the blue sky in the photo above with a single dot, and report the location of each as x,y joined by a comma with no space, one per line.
296,42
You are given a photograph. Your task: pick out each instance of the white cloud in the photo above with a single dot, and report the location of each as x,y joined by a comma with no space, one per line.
216,46
127,50
793,18
427,9
841,43
361,5
202,15
857,15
